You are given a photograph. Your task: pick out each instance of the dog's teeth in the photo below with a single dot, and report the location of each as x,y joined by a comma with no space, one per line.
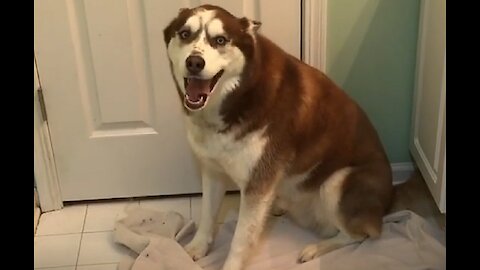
192,101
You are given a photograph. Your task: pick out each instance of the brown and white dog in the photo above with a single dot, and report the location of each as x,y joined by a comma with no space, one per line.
291,139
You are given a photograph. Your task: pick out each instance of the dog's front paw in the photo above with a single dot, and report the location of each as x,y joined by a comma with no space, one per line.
197,248
309,252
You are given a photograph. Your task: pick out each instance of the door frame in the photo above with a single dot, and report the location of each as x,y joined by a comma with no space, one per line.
36,210
45,171
314,33
313,36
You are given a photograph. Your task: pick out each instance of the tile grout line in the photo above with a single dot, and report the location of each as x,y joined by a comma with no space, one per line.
95,264
62,234
54,267
81,237
88,264
58,234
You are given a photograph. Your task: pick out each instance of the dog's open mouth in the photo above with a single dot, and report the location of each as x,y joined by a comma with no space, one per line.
198,90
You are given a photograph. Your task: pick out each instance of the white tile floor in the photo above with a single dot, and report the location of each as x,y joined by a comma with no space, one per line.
79,237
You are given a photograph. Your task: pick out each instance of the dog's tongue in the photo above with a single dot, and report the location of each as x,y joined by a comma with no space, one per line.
196,88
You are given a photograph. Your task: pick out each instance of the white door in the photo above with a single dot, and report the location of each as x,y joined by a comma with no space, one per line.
428,144
113,112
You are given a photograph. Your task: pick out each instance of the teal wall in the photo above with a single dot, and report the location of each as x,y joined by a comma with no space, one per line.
371,54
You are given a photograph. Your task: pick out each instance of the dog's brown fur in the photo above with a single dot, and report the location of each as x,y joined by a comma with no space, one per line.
311,120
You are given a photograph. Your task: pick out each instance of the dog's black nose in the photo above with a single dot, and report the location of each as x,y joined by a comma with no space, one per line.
195,64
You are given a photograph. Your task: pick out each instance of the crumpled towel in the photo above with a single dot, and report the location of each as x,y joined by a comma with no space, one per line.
408,241
164,254
145,230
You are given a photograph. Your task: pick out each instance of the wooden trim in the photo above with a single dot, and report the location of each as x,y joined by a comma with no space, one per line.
36,211
45,172
418,73
314,28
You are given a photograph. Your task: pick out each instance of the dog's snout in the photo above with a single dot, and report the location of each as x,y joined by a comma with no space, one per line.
195,64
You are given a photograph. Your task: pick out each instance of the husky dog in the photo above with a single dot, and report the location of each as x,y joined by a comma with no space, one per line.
282,131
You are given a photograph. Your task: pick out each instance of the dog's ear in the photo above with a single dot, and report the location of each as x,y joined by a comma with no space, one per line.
169,31
182,10
248,25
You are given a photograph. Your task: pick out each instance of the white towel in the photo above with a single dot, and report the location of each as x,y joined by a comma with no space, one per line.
407,242
145,230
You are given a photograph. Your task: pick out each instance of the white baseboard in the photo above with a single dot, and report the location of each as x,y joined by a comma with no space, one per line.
401,172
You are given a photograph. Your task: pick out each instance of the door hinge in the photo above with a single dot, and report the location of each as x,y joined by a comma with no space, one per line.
41,100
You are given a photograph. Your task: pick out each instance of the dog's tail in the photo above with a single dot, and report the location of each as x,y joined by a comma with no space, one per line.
410,195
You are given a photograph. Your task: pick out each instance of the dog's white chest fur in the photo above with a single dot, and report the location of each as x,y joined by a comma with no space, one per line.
224,153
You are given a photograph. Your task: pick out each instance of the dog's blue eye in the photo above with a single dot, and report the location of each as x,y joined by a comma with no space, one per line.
220,40
184,34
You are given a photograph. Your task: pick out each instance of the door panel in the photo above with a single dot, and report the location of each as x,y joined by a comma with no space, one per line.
115,119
